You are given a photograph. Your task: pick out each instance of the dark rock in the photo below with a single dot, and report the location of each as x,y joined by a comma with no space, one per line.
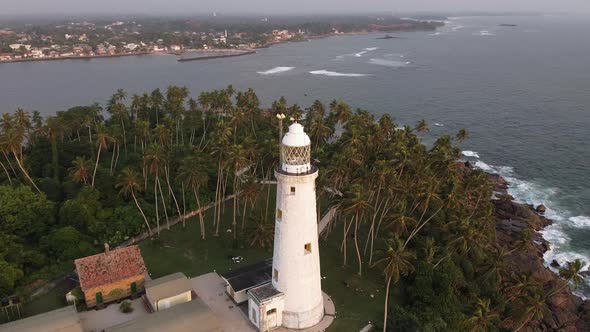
555,263
468,164
541,208
585,274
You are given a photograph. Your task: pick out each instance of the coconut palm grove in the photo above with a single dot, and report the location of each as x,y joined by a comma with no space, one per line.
409,215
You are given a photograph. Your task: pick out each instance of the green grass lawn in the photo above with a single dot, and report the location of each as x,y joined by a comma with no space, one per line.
358,299
181,249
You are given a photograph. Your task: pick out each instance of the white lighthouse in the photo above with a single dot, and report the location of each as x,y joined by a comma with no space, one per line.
296,260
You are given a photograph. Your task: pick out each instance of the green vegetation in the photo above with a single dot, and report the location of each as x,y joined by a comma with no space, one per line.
126,307
411,222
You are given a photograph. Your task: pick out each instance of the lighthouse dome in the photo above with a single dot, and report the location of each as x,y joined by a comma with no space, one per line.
296,136
296,151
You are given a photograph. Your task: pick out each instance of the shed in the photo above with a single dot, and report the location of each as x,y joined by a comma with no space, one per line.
111,275
193,316
168,291
239,281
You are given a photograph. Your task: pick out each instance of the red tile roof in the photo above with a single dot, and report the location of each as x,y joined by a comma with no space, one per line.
107,268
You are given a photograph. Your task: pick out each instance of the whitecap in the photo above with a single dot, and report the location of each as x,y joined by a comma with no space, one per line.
360,54
484,33
388,63
468,153
580,221
276,70
438,124
371,48
436,34
335,74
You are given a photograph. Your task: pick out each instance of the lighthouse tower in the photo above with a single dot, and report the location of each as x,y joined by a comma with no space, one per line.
296,260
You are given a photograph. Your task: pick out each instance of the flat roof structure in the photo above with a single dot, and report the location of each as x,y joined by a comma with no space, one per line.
60,320
249,276
167,286
264,293
186,317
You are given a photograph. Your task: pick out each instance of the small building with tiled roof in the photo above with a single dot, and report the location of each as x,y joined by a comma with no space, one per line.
111,275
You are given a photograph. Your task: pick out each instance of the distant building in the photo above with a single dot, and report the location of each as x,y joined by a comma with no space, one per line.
111,275
168,291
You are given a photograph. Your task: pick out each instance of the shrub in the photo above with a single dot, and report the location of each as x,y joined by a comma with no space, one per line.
126,307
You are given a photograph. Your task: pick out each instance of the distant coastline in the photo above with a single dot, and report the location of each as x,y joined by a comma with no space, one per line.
230,52
77,57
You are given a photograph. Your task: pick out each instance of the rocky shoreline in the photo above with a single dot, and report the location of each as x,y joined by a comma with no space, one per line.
569,312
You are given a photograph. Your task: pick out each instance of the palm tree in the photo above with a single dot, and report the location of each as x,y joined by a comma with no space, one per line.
571,272
395,260
103,139
462,135
154,159
357,206
483,318
13,141
129,182
80,170
422,126
191,171
535,309
261,233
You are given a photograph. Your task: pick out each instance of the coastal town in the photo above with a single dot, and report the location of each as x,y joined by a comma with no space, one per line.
85,39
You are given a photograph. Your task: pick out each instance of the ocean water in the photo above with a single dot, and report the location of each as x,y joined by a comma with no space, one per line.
522,92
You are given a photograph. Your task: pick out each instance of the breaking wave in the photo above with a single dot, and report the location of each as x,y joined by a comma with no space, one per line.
336,74
468,153
276,70
531,192
389,63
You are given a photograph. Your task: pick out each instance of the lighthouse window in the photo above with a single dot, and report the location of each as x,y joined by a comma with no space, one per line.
279,214
307,248
292,190
275,275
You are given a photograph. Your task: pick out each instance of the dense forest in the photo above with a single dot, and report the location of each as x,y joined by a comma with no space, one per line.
92,175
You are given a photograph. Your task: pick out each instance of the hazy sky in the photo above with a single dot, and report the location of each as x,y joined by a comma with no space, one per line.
284,6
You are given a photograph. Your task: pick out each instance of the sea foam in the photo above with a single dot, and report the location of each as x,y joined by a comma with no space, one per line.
276,70
531,192
468,153
389,63
580,221
336,74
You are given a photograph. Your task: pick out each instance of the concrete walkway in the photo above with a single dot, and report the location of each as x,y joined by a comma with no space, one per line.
211,289
98,320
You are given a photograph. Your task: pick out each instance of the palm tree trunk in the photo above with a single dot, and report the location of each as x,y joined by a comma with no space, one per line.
234,222
244,214
201,221
9,163
7,174
183,207
163,203
385,306
25,173
356,244
143,214
171,192
156,200
96,164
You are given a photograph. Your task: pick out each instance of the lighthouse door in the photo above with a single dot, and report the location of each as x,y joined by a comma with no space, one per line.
271,319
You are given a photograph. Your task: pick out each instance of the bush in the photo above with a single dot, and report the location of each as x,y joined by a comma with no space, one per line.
126,307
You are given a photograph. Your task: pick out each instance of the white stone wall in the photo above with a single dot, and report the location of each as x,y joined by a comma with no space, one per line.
172,301
252,306
298,271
